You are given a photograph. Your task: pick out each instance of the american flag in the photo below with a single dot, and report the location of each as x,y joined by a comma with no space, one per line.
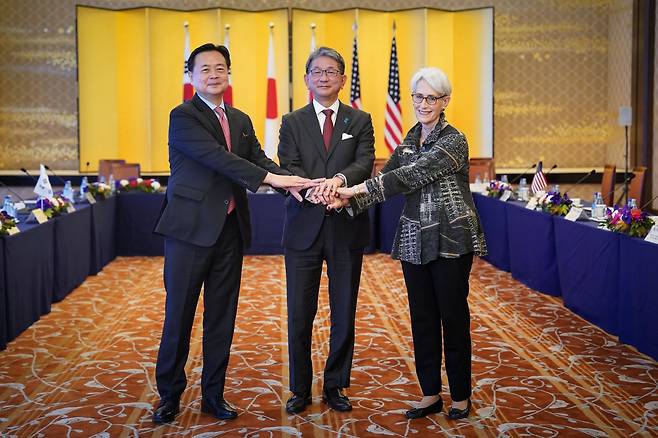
539,180
393,123
188,90
355,87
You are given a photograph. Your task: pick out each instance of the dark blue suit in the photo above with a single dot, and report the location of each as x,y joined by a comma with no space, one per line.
312,236
203,244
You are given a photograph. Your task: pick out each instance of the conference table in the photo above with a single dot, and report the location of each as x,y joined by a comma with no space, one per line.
609,279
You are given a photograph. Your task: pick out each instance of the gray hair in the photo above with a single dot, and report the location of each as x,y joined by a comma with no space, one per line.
329,53
436,79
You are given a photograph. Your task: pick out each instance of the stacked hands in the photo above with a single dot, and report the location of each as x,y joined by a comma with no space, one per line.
321,190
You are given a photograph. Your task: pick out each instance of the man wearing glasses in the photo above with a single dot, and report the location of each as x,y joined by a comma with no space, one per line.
324,139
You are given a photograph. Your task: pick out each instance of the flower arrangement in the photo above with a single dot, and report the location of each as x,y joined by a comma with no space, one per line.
556,204
54,206
7,222
629,220
100,190
496,188
138,184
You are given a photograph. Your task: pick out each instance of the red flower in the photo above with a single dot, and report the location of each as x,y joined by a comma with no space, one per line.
133,183
636,213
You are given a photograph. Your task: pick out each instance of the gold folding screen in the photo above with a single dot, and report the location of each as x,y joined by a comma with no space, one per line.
130,72
130,69
460,43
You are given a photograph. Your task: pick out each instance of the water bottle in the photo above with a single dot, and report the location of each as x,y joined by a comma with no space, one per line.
101,179
112,184
8,206
632,203
598,207
556,188
486,178
478,180
84,187
504,178
523,192
68,191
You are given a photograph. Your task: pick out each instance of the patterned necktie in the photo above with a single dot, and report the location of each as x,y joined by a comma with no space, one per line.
223,121
327,128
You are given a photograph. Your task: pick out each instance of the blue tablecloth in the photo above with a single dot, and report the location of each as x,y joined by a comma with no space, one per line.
493,215
638,294
29,275
136,216
588,266
103,235
389,216
532,254
3,297
137,213
72,246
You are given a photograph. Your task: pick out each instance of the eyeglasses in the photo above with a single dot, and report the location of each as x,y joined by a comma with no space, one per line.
331,72
431,100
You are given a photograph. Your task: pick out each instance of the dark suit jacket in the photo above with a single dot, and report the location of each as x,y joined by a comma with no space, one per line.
302,152
204,175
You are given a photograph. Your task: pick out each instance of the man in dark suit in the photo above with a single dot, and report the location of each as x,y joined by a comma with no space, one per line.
213,155
325,139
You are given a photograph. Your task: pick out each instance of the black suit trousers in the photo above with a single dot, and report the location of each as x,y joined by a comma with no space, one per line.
187,267
438,303
303,272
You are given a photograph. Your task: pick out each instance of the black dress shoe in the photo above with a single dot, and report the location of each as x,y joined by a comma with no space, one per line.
297,403
456,414
166,411
218,408
424,412
336,400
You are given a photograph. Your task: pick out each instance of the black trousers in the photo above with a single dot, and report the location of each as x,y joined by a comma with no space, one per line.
438,293
186,268
303,271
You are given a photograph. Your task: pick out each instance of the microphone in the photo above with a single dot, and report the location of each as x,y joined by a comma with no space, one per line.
28,174
54,174
611,193
518,177
9,189
650,200
551,169
591,172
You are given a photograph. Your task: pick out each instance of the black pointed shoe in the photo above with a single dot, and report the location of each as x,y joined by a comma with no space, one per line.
166,411
336,400
218,408
434,408
457,414
297,403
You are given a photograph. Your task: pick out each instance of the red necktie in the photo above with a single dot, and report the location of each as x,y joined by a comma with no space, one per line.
223,121
328,128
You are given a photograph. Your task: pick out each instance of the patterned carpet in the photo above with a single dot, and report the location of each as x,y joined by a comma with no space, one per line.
87,368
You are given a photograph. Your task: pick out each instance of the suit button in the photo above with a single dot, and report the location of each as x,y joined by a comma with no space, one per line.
226,202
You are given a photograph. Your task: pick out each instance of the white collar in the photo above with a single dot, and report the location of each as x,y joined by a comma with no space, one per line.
319,107
212,105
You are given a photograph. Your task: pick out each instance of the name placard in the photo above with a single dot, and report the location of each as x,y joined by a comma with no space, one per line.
13,231
37,215
506,195
90,198
574,214
532,204
653,234
70,208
